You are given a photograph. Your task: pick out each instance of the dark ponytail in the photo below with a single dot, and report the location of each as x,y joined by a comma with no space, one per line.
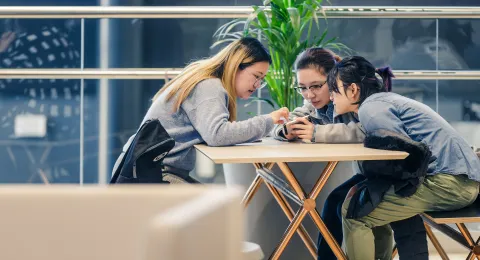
358,70
386,74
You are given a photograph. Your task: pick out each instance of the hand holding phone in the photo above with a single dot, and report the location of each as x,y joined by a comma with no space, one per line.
302,128
288,127
300,122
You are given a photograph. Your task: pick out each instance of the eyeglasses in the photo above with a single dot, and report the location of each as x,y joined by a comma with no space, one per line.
312,88
260,81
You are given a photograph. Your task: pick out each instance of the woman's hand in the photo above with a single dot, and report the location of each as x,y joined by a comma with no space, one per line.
303,129
279,115
289,130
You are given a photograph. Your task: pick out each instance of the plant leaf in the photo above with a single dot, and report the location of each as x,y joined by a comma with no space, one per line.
339,47
279,14
252,17
329,41
274,89
295,20
263,19
258,99
230,28
311,11
318,43
221,41
287,3
279,3
224,27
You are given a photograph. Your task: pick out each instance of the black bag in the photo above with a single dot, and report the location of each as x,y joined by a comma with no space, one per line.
143,160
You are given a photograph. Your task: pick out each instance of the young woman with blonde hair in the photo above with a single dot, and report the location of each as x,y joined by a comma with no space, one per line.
200,105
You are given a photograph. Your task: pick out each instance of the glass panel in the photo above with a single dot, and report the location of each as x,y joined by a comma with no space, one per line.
40,43
40,129
460,104
52,151
51,106
142,44
459,42
420,90
400,43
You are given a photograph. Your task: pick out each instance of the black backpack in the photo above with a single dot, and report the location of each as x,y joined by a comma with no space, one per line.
143,160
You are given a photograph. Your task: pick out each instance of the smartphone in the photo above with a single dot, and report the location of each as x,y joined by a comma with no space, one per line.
285,130
309,118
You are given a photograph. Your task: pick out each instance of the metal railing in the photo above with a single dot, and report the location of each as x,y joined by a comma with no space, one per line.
171,73
219,12
229,12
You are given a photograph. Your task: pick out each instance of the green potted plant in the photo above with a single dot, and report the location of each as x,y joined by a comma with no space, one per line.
286,27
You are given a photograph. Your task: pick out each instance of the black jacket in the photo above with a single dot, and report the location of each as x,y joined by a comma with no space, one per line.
142,162
405,175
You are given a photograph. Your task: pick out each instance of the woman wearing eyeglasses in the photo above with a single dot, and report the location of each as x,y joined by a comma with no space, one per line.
316,121
312,67
200,105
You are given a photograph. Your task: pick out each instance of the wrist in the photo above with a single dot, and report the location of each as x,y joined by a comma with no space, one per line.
313,134
272,117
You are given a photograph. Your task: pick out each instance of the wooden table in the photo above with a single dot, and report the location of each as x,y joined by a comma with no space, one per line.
269,152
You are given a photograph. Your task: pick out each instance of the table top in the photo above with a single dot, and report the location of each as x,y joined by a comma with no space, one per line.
270,150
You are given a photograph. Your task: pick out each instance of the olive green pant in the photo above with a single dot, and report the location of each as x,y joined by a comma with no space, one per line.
437,193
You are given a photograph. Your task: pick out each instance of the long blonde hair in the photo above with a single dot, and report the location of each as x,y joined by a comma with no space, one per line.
224,65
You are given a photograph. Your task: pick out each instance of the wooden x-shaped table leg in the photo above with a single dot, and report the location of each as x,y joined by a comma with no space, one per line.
435,242
284,205
475,248
308,207
252,190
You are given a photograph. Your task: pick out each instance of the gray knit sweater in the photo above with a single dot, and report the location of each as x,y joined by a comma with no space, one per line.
203,118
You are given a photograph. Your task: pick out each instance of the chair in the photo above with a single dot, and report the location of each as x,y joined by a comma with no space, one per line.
93,222
440,220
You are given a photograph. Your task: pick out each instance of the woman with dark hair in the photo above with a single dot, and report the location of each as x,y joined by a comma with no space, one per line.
312,67
453,173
